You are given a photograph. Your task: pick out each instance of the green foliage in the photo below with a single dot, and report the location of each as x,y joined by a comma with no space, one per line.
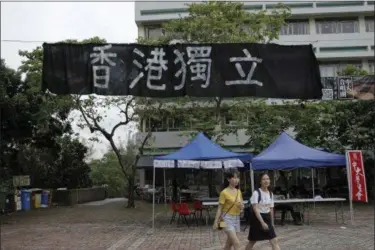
338,125
107,171
263,123
351,70
36,128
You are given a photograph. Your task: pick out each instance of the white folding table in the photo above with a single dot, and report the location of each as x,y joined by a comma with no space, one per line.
304,202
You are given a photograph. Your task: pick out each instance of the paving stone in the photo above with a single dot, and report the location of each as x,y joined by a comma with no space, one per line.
111,227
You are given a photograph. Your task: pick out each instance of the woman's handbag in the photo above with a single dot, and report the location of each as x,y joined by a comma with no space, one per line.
222,223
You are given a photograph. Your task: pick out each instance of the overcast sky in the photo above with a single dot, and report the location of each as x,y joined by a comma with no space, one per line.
56,21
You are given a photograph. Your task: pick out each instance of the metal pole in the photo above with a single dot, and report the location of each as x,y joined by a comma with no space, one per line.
252,178
153,200
312,182
313,185
165,189
222,172
349,174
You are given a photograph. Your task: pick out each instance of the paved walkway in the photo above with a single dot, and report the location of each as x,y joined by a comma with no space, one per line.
113,227
104,202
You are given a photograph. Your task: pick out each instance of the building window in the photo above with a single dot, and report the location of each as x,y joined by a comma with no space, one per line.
337,26
300,27
154,31
369,21
330,69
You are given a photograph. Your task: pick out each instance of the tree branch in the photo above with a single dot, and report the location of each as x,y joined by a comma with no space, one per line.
127,117
145,139
96,127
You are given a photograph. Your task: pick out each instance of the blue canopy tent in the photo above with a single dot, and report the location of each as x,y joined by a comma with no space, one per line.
202,149
201,152
286,153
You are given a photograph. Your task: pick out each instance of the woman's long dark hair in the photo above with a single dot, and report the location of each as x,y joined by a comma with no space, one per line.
228,175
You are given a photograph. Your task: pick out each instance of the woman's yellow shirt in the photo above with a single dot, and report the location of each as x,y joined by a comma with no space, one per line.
227,199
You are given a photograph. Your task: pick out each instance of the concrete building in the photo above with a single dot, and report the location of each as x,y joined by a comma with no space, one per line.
342,32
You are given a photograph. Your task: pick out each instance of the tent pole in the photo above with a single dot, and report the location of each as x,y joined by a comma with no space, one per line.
312,182
222,173
313,185
349,174
252,178
153,201
165,189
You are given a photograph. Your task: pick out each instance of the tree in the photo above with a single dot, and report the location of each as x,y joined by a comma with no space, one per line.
218,22
93,113
35,133
61,166
92,108
264,122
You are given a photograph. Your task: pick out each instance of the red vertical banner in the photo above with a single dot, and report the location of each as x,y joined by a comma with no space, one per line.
357,178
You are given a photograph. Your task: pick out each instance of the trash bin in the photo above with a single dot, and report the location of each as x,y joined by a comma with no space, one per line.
3,197
17,201
45,199
25,199
36,197
9,203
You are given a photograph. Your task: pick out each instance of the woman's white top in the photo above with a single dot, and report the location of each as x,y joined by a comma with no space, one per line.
266,202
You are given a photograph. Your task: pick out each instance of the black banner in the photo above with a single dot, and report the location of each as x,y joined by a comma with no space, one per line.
201,70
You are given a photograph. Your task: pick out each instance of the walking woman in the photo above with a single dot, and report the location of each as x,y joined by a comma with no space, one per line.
229,210
262,218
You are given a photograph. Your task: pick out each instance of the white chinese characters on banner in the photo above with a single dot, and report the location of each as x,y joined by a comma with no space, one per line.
156,64
358,174
182,71
200,64
246,79
102,80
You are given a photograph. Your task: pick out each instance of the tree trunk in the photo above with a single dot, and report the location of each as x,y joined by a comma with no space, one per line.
131,203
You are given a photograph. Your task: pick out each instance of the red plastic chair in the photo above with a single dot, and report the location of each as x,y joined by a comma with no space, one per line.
199,208
184,212
175,211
